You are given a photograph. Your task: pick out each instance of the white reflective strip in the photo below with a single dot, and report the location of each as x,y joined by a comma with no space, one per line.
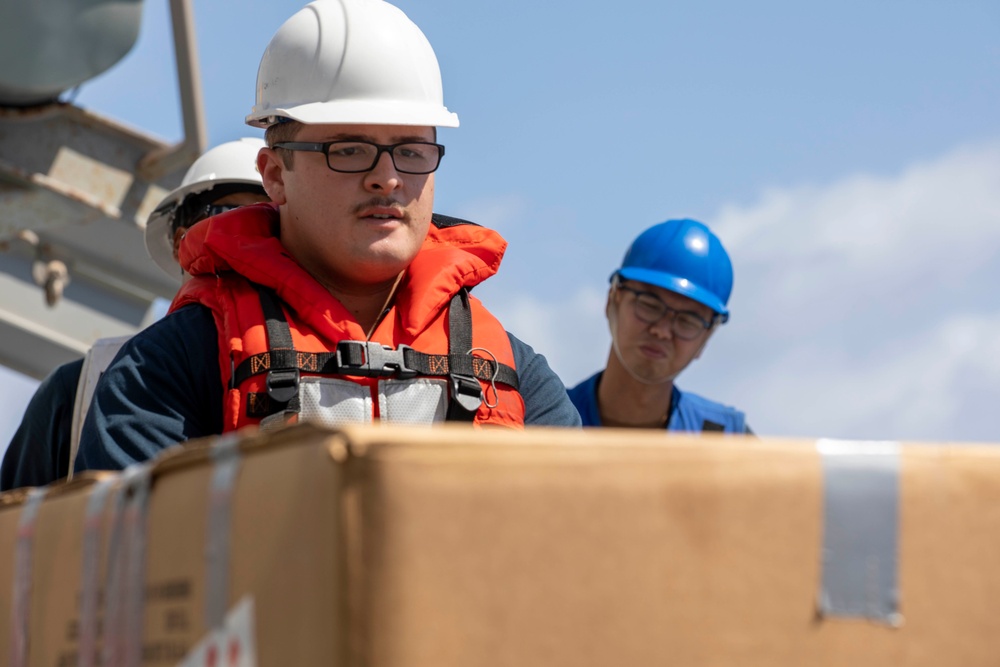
226,454
860,569
21,598
332,401
89,580
413,401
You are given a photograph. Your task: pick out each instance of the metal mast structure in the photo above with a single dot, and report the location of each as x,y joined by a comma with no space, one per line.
75,187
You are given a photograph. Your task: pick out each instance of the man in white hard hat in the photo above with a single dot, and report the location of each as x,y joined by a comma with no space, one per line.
666,300
45,444
346,300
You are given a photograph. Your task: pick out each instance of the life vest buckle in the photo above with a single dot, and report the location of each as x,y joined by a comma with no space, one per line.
466,396
282,384
367,359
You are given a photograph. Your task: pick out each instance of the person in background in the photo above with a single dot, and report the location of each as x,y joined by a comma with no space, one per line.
44,446
346,300
666,300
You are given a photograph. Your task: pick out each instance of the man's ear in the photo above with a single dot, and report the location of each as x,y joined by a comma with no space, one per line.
705,342
272,172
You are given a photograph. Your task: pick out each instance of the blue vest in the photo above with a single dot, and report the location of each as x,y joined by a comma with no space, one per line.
689,412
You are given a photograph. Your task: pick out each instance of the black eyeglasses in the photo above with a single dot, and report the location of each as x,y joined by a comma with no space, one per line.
684,324
354,157
190,216
210,210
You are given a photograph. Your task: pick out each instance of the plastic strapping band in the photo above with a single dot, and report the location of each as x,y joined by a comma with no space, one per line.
89,580
123,618
112,634
860,576
226,454
135,583
21,600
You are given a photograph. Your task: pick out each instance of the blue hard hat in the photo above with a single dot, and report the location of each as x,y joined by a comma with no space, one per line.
683,256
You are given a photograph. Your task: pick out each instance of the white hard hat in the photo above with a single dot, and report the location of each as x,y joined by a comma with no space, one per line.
233,162
350,61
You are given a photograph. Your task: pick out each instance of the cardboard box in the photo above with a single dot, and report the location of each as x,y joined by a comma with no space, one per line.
55,567
285,550
448,546
10,514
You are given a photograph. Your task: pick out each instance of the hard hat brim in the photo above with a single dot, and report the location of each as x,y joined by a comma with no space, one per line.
159,246
358,112
681,286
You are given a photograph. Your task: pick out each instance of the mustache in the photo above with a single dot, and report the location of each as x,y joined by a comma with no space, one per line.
378,202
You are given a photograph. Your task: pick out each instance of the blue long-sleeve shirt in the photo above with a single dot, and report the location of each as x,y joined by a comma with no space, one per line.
39,451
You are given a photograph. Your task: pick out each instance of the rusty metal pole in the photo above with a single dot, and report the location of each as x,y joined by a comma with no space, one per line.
163,161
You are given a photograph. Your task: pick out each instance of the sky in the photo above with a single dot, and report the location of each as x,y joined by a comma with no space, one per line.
847,154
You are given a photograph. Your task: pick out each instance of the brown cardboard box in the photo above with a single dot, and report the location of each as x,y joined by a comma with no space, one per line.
285,549
10,513
448,546
55,567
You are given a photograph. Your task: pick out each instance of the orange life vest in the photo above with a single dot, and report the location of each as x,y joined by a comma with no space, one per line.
288,347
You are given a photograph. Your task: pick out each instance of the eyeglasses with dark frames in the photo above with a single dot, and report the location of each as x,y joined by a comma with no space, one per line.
211,210
648,307
355,157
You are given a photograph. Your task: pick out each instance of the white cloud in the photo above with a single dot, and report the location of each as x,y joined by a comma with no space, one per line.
865,308
571,333
939,384
933,225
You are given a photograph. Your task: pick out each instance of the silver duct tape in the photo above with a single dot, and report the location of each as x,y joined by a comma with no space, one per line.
89,580
860,551
21,599
226,454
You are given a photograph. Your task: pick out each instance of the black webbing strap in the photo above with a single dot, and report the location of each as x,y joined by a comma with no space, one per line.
279,336
282,379
356,358
465,394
